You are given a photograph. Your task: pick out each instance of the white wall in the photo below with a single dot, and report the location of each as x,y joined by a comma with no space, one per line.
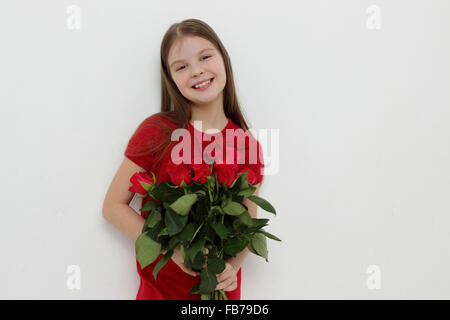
364,159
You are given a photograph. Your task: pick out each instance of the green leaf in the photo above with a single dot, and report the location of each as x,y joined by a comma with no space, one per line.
154,231
263,204
208,233
238,226
234,182
188,262
259,243
200,193
146,186
234,208
202,207
195,289
187,233
259,222
234,245
153,218
220,229
195,247
174,222
183,184
161,263
215,264
243,182
217,210
246,219
149,205
163,232
250,247
173,242
165,192
183,205
209,281
247,192
269,235
147,250
226,196
199,261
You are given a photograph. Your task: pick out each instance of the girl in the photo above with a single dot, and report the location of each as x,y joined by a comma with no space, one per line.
191,55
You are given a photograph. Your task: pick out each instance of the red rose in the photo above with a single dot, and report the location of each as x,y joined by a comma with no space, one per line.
254,174
137,178
201,171
225,173
178,172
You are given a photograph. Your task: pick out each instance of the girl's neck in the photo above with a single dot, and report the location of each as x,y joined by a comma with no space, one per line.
211,117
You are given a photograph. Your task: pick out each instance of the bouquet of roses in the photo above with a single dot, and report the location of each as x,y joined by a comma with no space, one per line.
204,218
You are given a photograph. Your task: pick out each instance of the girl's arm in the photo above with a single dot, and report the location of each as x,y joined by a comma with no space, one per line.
116,207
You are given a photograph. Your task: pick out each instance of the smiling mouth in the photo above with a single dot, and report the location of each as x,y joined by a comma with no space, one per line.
210,82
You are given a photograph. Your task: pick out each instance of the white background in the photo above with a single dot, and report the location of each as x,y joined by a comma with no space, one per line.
364,159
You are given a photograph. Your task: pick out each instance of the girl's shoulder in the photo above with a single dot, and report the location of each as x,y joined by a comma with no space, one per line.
157,125
153,128
147,138
161,118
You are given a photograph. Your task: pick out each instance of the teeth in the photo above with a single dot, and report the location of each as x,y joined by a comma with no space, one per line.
202,84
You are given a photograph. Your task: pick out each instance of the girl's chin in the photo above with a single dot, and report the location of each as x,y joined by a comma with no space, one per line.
205,100
205,96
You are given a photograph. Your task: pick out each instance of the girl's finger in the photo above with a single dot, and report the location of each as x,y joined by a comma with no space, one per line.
224,275
190,272
194,273
225,283
231,287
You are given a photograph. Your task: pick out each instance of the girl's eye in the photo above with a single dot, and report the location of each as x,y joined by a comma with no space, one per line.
183,65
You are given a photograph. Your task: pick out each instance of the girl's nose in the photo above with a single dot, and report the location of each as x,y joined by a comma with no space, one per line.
197,71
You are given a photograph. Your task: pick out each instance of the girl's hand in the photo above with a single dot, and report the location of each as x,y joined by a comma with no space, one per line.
178,259
228,278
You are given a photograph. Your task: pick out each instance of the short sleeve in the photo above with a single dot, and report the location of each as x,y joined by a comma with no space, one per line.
139,144
254,161
257,163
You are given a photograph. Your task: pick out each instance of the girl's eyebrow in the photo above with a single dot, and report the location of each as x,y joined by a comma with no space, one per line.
197,54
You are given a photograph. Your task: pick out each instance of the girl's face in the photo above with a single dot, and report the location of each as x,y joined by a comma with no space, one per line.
193,60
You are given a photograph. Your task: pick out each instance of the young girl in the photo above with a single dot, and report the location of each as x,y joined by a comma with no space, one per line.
191,55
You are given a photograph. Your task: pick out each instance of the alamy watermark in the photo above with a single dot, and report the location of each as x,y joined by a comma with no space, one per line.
373,21
73,281
373,282
73,21
246,148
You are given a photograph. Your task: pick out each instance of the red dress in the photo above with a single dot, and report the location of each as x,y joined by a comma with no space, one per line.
172,282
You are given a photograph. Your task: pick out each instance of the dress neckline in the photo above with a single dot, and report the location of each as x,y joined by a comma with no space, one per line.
211,134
